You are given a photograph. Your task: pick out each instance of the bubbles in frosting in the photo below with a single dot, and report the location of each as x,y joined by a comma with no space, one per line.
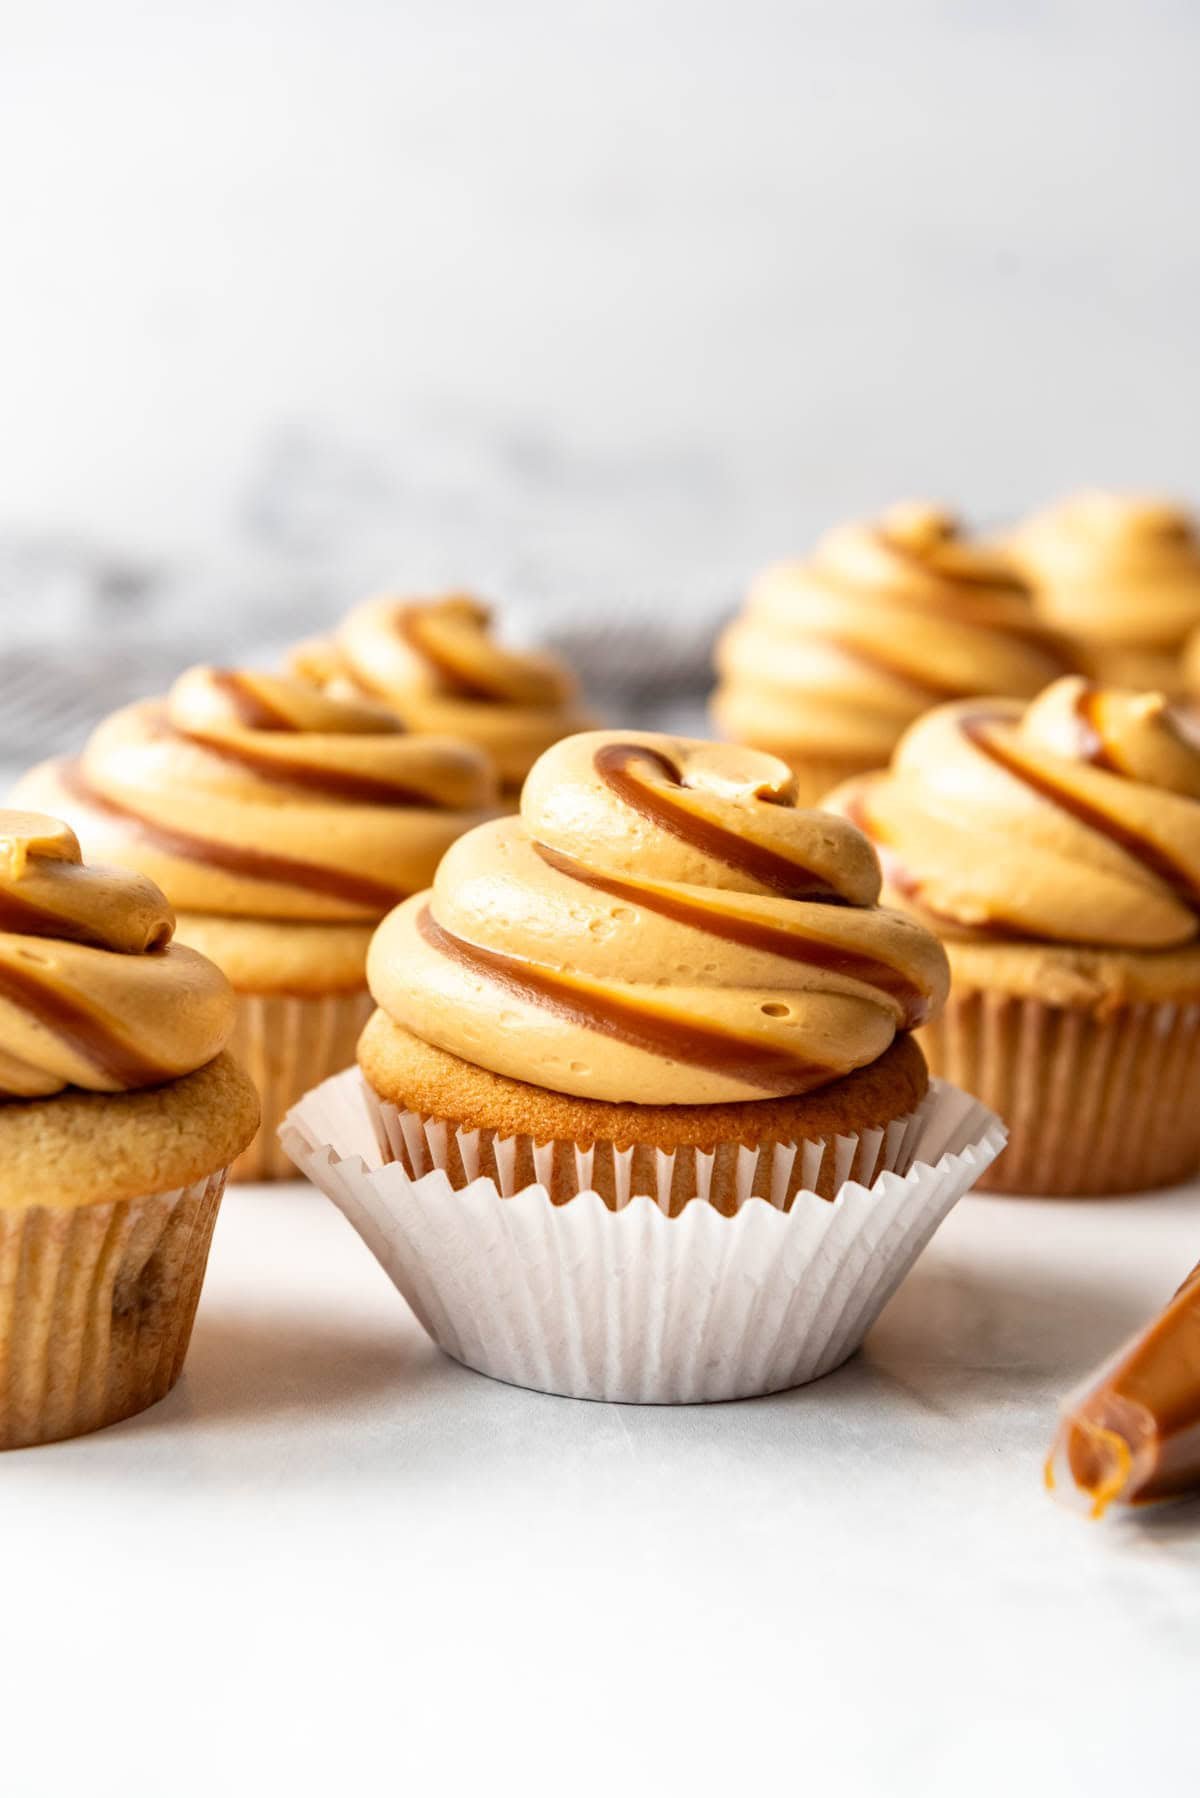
251,795
93,992
1074,819
661,923
438,664
835,656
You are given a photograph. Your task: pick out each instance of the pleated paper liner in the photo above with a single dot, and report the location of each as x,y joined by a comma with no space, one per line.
627,1302
287,1044
96,1308
1093,1105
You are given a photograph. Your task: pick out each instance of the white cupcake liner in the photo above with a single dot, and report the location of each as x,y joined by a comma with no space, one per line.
631,1304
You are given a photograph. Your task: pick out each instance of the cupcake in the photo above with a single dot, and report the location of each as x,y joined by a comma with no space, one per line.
1120,575
1055,847
438,667
282,823
119,1115
663,982
833,658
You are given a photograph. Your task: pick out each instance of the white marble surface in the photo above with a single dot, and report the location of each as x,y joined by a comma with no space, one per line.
332,1561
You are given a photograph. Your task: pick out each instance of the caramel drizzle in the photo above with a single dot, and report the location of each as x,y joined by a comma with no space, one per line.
759,1064
1137,1434
751,933
901,879
466,686
926,688
81,1030
249,707
331,783
1092,746
769,869
996,580
1151,857
254,864
22,918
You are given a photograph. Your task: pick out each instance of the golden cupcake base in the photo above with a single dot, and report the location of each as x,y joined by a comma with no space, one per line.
522,1134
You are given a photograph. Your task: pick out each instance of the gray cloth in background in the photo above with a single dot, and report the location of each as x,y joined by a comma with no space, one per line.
625,570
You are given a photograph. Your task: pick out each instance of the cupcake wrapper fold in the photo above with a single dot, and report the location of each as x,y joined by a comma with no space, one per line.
632,1304
96,1308
1094,1105
286,1044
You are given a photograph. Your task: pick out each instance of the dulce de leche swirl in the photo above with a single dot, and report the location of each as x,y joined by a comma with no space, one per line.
438,666
835,656
256,796
93,992
1133,1438
1075,819
660,924
1121,574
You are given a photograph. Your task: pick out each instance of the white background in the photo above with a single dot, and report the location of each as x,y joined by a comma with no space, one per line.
609,297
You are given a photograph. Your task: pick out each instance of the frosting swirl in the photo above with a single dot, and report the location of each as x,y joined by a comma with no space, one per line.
252,795
93,992
437,665
1075,819
1122,574
661,923
837,655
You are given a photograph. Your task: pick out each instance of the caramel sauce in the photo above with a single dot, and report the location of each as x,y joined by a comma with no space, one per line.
924,688
466,686
992,578
23,918
332,783
901,879
79,1028
776,872
750,933
1136,1436
1091,746
254,864
1151,857
249,707
762,1065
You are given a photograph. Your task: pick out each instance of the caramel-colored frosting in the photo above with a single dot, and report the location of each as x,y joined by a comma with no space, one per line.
1121,574
837,655
1075,819
660,924
439,668
252,795
93,992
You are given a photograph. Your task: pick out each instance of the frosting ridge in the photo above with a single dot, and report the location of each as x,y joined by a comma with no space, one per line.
438,665
253,795
93,992
1074,819
839,653
660,923
1122,574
